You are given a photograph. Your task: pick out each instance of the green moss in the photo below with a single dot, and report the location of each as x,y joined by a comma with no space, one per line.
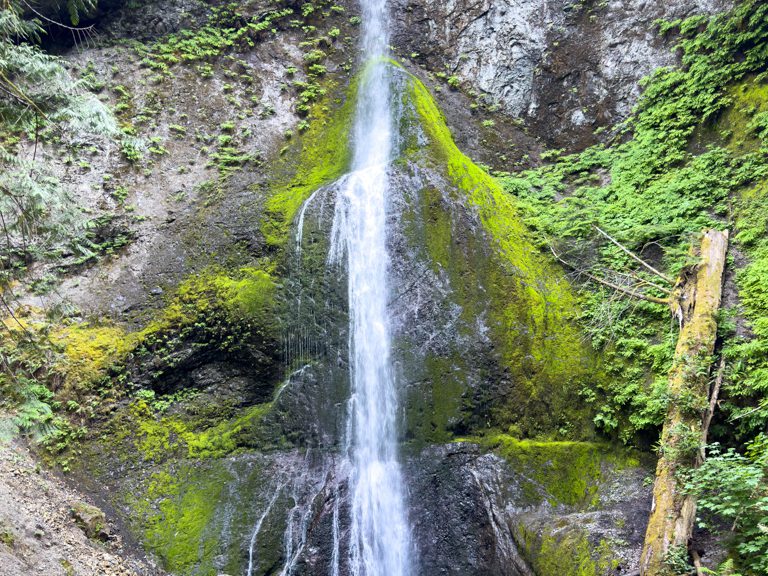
748,100
316,158
569,473
229,436
565,551
159,438
216,307
246,295
434,408
91,350
528,300
178,528
7,537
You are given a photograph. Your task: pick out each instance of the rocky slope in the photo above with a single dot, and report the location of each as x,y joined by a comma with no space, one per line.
47,528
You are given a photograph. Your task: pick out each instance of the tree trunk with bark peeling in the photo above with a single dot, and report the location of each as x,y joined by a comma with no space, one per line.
695,305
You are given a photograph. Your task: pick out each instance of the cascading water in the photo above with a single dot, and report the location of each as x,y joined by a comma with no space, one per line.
379,534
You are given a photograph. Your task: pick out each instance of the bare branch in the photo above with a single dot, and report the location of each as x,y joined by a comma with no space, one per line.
55,22
616,287
637,258
713,397
645,281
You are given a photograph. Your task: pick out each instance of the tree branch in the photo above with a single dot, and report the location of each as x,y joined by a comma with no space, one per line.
616,287
633,256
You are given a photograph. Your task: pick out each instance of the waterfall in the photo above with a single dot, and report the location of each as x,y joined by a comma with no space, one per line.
379,534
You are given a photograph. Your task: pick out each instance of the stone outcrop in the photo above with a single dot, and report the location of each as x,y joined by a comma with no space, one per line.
565,67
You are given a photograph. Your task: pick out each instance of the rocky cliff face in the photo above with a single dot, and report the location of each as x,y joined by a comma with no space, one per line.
566,68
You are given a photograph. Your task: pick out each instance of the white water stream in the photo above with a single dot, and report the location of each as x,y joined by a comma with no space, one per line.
379,533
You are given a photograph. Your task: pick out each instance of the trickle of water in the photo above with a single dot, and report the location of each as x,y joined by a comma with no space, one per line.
252,547
379,532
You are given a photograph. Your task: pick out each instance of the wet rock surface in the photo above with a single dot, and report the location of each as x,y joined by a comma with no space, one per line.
464,498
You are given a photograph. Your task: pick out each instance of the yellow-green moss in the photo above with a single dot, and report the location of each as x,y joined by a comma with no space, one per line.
227,436
247,294
90,350
316,158
158,438
546,289
568,472
531,304
239,301
565,552
747,100
186,504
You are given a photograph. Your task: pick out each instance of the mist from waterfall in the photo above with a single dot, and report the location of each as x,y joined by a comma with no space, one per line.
379,535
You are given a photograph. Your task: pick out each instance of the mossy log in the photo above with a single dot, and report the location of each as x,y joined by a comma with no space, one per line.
673,512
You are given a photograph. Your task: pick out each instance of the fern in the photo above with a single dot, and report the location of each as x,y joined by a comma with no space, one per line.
78,8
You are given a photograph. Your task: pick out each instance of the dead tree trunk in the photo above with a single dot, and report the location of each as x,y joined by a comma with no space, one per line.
696,306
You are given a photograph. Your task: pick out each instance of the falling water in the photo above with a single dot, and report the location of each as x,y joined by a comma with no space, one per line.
379,535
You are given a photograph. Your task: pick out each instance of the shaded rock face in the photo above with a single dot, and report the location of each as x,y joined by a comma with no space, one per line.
496,46
567,67
474,491
474,515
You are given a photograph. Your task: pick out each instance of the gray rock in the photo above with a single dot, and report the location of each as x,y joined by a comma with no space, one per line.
91,520
546,60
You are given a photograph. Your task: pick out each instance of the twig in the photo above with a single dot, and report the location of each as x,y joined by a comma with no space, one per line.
712,405
762,405
10,311
648,282
616,287
637,258
56,23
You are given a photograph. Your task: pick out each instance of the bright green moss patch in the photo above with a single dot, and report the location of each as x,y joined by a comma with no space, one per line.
217,297
228,436
316,158
528,301
565,552
158,438
749,100
91,350
179,528
230,308
569,472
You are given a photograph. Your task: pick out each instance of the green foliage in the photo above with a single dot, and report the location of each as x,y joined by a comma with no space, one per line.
672,170
41,100
732,489
31,368
229,27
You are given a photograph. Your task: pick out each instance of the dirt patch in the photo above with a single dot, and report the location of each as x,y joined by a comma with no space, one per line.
39,534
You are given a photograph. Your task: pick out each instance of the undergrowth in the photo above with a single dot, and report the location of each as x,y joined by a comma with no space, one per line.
693,155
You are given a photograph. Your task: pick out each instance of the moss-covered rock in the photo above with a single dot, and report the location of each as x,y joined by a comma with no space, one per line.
91,520
316,158
586,510
469,232
567,551
563,473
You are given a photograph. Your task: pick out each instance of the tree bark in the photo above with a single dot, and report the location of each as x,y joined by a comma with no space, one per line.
673,513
